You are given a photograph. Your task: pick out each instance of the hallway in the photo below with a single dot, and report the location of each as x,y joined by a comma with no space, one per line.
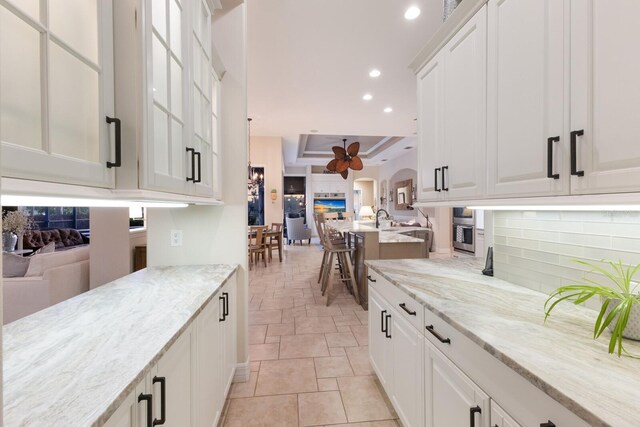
309,362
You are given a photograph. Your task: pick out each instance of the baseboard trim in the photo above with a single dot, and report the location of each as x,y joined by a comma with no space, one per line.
243,371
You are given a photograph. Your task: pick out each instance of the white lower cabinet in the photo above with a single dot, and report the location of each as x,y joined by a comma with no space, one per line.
407,365
500,418
455,400
379,345
189,383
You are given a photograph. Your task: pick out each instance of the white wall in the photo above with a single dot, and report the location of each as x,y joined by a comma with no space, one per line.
109,249
218,234
537,249
266,151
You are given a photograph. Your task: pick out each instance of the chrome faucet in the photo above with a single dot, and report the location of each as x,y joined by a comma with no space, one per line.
378,217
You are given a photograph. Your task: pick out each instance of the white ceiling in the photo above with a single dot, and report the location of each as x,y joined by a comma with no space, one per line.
309,63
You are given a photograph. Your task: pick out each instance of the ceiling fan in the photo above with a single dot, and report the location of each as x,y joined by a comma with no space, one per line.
345,158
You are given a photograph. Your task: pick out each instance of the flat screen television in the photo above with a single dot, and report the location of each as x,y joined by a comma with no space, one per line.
329,205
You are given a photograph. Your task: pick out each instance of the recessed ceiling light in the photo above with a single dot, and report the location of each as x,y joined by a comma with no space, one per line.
314,131
412,13
374,73
388,110
367,97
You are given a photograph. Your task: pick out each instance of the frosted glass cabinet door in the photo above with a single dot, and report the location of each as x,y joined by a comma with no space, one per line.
56,90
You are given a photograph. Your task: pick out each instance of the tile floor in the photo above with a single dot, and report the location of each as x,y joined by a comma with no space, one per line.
309,363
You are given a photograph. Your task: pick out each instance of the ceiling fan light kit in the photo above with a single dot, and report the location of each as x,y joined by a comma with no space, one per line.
345,158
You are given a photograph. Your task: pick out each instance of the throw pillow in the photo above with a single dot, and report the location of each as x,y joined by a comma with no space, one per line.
14,265
47,249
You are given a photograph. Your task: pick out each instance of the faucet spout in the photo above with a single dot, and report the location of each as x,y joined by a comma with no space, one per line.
378,216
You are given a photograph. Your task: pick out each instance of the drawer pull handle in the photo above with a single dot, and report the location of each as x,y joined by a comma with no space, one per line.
223,298
472,415
404,307
371,279
147,398
386,329
431,329
118,150
435,179
548,424
193,164
382,329
574,152
444,186
550,142
163,400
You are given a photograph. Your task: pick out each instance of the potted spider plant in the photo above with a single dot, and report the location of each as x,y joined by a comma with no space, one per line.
620,310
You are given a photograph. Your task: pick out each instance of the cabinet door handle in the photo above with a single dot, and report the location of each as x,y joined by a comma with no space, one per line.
197,154
404,307
226,304
371,279
550,142
163,400
118,161
382,329
472,415
574,152
386,329
224,315
444,186
433,332
149,399
548,424
435,179
193,164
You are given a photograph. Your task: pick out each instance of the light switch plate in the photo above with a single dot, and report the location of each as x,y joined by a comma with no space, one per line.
176,238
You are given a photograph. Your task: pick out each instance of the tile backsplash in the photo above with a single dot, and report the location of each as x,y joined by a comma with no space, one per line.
536,249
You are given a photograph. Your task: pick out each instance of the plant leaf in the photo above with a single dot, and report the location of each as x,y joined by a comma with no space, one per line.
603,310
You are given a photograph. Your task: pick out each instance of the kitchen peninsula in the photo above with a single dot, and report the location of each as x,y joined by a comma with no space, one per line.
89,360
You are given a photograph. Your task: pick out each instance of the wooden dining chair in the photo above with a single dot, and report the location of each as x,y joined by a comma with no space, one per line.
257,245
274,240
347,216
331,216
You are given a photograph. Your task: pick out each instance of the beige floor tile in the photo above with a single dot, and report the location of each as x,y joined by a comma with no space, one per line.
320,408
359,358
327,384
244,389
259,352
362,399
286,376
254,366
329,367
276,303
268,411
288,320
294,312
346,320
303,301
314,325
278,329
337,351
361,333
363,316
341,339
287,292
264,317
344,328
272,340
296,346
322,310
257,334
255,302
389,423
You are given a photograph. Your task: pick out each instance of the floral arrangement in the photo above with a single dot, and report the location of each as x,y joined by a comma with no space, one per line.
17,222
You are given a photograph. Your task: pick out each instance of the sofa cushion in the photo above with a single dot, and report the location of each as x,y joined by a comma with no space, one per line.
52,236
46,249
32,240
43,262
14,265
70,236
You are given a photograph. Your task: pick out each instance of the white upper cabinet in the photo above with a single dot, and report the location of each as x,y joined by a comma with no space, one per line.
465,106
527,138
430,129
452,117
56,91
605,96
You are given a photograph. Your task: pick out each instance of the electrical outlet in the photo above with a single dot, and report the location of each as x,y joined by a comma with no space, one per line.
176,237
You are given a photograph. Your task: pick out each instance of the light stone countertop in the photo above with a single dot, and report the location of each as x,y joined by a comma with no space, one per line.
384,235
74,363
559,357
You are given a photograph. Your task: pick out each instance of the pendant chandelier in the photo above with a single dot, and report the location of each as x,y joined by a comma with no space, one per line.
254,179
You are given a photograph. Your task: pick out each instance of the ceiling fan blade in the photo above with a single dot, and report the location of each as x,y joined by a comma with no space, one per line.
345,174
332,165
339,152
353,149
341,165
356,163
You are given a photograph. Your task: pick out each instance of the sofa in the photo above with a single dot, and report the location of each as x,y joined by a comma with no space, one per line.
64,239
50,278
